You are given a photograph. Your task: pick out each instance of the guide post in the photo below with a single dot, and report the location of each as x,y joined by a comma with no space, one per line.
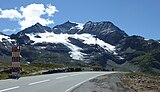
15,62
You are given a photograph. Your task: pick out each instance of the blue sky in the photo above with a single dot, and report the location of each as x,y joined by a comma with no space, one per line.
135,17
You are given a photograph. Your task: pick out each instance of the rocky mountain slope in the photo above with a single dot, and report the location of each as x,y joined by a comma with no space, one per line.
94,43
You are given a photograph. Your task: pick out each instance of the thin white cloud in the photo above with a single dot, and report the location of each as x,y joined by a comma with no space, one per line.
30,15
51,10
9,30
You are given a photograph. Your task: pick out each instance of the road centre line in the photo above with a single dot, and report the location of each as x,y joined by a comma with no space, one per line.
75,74
39,82
7,89
61,77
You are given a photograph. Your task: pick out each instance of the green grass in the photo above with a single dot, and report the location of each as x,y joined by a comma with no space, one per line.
134,74
28,70
3,75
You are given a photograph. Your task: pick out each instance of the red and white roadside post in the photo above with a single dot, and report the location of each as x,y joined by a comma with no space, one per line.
15,60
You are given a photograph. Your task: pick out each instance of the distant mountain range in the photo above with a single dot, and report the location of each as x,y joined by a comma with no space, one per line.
92,43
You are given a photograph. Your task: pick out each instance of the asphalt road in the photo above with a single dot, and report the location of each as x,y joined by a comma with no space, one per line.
60,82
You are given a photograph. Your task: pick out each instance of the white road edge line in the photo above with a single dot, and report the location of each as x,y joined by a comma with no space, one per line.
9,89
39,82
71,88
61,77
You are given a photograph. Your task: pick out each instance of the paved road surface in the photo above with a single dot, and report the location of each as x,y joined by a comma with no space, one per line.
60,82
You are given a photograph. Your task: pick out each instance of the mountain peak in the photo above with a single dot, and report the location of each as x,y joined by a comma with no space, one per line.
37,28
102,22
65,26
67,22
104,30
89,22
38,24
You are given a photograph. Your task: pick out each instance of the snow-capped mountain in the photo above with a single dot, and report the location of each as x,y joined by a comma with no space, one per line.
75,52
79,40
105,31
92,43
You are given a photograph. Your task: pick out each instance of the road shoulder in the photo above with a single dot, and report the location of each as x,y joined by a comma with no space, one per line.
105,83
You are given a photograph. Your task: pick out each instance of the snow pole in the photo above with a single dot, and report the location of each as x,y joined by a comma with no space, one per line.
15,61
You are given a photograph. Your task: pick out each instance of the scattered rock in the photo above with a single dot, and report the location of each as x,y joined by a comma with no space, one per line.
141,82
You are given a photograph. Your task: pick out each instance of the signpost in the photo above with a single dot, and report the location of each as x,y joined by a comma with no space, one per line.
15,61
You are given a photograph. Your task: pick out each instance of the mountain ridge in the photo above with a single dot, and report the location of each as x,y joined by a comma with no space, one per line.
94,43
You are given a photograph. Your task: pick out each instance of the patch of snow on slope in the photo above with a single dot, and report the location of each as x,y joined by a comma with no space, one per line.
75,50
75,54
58,38
146,39
79,26
90,39
5,37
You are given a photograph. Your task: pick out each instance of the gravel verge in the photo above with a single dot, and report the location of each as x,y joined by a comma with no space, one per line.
105,83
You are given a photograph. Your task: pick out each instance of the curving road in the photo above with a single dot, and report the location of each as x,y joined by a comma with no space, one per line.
60,82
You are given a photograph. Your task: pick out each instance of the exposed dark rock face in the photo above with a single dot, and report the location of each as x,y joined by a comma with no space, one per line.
129,50
106,31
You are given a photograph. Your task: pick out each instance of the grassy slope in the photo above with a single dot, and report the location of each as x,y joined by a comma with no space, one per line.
31,69
27,70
